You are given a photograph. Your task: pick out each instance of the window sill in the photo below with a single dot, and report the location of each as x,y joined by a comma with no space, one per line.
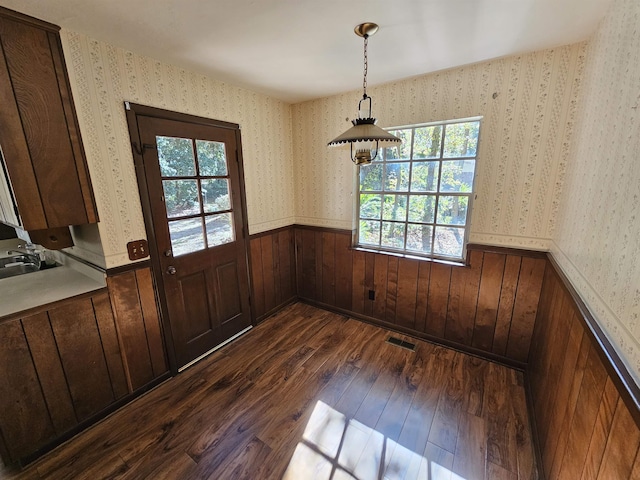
455,263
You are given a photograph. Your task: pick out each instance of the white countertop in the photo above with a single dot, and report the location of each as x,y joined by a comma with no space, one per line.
30,290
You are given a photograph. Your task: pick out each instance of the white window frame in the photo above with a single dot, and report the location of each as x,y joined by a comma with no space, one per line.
470,195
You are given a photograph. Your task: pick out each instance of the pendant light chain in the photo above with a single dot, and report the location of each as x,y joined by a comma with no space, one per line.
365,140
366,66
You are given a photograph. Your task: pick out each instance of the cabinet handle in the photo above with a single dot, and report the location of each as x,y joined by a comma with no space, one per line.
171,270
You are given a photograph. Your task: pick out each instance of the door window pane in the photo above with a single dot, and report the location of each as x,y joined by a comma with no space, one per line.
176,157
219,229
212,158
215,195
181,197
186,236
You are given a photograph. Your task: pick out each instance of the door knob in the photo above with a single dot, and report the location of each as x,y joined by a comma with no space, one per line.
171,270
168,253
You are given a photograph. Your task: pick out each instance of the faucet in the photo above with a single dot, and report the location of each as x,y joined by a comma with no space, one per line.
29,251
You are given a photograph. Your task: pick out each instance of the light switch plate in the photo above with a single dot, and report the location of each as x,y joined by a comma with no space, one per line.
138,249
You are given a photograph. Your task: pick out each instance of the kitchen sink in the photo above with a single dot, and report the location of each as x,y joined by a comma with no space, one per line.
18,265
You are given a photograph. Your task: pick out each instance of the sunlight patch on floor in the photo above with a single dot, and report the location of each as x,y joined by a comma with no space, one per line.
334,447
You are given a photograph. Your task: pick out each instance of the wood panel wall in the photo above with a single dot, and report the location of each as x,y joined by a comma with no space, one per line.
138,323
487,307
273,271
59,368
64,366
586,419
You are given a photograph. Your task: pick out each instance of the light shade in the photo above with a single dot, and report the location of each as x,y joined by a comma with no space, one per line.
364,139
365,130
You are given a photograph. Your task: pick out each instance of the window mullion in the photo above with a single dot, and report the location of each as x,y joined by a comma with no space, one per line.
435,210
406,210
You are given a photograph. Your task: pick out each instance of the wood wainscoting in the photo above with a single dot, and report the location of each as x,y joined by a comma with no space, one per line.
584,402
59,367
68,364
273,271
135,309
487,307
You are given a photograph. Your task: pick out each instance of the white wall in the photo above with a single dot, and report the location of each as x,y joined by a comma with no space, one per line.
597,240
523,147
103,77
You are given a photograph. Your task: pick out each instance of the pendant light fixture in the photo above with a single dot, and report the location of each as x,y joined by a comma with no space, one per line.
365,139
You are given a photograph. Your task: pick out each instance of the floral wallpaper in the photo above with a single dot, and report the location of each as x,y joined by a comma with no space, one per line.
597,237
103,77
528,104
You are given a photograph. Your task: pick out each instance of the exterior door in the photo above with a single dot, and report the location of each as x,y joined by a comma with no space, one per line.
193,182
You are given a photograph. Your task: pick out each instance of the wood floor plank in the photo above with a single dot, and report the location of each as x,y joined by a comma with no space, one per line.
526,458
501,431
377,398
471,447
310,394
474,371
237,463
496,472
444,429
394,415
416,428
436,463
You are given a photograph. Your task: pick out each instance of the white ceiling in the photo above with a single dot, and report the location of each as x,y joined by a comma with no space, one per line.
297,50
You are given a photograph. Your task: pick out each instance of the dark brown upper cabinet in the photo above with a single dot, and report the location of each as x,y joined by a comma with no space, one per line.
39,135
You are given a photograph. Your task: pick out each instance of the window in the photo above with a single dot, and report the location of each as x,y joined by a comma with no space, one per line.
415,198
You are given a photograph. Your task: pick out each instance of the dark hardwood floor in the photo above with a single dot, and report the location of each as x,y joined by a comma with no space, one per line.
310,394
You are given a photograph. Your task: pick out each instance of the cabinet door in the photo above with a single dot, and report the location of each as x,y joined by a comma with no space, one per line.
38,129
25,423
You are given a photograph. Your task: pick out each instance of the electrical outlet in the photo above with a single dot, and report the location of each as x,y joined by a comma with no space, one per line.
138,249
372,295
